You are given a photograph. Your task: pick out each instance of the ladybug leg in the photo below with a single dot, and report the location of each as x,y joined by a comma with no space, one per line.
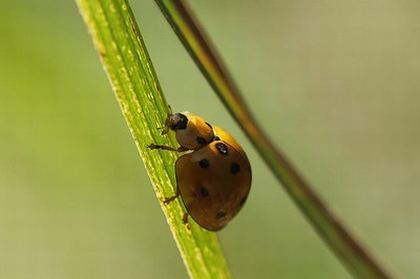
185,220
165,147
170,199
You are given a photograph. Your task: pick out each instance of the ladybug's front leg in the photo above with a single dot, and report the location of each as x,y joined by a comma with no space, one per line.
165,147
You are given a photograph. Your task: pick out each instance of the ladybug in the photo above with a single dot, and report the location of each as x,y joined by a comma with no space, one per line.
213,176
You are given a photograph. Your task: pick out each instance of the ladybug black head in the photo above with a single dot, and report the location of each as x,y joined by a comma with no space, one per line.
177,121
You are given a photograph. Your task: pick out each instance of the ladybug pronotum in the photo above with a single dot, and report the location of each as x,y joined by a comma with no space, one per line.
213,176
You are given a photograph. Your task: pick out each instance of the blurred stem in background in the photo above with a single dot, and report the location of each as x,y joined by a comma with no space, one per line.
351,253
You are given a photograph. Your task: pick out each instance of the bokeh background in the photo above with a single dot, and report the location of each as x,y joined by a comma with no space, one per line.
336,85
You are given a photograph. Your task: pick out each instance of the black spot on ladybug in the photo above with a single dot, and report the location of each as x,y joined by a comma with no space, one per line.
234,168
243,200
204,192
220,214
222,148
201,140
216,138
179,121
207,123
204,163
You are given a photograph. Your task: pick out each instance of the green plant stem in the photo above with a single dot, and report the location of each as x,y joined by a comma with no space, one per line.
118,41
342,243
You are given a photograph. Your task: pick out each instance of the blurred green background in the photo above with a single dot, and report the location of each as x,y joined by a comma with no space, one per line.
336,85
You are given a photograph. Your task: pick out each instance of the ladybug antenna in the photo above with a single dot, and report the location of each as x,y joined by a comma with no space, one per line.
167,126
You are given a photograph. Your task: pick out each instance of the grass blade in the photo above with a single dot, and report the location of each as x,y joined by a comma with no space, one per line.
117,39
351,253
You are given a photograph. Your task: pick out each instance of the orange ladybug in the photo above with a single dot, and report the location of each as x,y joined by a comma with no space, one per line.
214,176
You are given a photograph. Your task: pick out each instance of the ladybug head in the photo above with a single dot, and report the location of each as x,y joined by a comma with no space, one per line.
176,121
192,132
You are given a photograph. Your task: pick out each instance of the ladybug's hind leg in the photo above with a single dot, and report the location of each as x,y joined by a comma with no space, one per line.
185,220
170,199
